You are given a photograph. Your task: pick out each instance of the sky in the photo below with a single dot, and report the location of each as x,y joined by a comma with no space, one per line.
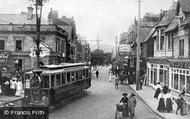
103,18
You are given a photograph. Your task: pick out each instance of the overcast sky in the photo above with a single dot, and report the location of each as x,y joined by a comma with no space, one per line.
106,18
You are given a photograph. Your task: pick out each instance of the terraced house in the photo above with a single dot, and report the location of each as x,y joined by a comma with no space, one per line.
171,61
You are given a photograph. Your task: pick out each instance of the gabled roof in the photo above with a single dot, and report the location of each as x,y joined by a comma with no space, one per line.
185,5
173,25
19,19
169,15
150,34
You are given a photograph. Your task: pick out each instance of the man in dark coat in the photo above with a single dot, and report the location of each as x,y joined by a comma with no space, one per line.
97,73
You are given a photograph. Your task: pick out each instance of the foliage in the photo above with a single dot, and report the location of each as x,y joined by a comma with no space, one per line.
99,57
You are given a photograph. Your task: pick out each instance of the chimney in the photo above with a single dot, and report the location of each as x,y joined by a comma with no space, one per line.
30,13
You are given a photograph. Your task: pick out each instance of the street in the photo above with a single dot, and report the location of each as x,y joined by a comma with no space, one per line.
100,102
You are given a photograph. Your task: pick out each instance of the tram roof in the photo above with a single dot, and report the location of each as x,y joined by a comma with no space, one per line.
63,65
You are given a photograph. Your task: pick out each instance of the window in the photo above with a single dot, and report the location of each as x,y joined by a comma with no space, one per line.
72,76
182,82
18,64
52,80
77,75
45,81
63,79
68,77
2,44
58,80
176,81
181,47
80,74
188,85
18,45
162,43
170,41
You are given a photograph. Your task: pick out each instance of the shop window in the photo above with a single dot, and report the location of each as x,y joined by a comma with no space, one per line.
182,82
63,79
188,85
58,80
176,81
18,45
172,80
45,81
155,76
2,44
68,77
86,73
152,77
181,47
83,74
52,80
161,76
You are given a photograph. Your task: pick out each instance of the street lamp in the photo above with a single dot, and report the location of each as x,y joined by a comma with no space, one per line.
36,90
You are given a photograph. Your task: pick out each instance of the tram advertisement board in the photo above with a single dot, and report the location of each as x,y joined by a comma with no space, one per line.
24,112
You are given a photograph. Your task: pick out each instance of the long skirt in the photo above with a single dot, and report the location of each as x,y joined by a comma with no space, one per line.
125,112
161,105
157,93
169,107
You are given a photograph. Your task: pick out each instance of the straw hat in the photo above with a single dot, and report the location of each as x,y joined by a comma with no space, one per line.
124,94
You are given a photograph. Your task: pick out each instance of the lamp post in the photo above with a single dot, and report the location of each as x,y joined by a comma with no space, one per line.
36,87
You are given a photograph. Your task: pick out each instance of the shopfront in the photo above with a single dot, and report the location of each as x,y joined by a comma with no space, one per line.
180,77
157,72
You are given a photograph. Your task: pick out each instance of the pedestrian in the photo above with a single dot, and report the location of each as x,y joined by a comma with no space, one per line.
124,102
158,90
161,103
18,87
179,103
183,107
110,77
132,102
169,101
165,89
97,73
13,83
117,82
141,80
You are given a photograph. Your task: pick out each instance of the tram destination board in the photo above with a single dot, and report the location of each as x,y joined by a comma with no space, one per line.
24,112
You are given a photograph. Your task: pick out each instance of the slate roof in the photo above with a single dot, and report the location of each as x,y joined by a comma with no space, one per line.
150,34
173,25
169,15
185,5
19,19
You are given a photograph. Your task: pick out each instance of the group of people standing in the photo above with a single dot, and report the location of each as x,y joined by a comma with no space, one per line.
10,86
129,104
166,100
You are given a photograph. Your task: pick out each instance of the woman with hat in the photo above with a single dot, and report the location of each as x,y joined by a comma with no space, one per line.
131,105
124,102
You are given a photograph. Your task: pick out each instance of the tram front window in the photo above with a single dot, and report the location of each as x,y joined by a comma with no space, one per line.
68,78
45,81
63,79
52,80
58,80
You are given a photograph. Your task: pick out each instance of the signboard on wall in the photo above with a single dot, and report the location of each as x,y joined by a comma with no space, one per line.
124,47
44,51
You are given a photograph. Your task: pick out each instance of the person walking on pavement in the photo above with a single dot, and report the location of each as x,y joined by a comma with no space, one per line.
158,90
124,102
132,102
110,76
179,103
169,101
97,73
161,103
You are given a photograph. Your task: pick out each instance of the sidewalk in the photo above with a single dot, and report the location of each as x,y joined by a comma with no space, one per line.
147,93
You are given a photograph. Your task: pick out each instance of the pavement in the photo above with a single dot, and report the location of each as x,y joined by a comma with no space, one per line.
147,93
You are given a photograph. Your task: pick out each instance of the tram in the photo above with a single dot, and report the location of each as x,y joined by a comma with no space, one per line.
61,82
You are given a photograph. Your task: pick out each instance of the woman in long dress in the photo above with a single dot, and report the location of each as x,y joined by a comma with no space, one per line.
161,103
158,90
183,108
18,88
110,77
169,101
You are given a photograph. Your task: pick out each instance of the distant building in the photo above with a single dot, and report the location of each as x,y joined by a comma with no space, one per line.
17,46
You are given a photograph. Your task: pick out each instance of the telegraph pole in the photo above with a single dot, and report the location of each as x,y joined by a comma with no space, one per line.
116,49
138,47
